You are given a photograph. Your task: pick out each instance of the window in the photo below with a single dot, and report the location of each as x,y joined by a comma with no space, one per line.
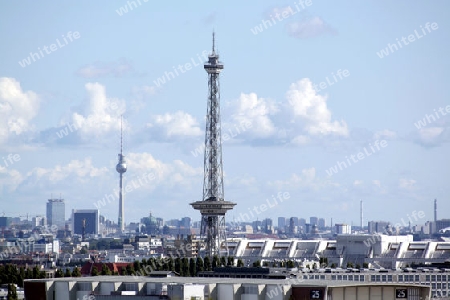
389,278
400,278
427,278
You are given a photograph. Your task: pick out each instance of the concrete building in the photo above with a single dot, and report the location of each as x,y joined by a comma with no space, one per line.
85,221
343,229
377,226
56,213
129,287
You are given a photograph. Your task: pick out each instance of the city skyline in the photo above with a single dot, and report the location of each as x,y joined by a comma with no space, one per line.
318,102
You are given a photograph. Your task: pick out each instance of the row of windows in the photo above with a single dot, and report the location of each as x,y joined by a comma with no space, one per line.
386,278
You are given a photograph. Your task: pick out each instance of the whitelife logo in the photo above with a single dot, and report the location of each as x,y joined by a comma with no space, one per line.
391,48
69,37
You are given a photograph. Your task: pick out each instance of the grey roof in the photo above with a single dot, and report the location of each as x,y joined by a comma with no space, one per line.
215,280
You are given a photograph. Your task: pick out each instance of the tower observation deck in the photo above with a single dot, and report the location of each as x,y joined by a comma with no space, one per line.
213,206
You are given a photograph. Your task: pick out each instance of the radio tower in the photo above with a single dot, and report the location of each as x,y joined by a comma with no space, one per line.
213,206
121,168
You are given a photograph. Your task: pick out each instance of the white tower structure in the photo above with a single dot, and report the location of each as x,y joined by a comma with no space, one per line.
121,168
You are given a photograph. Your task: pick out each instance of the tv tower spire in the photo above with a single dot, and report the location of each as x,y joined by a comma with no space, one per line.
121,168
213,206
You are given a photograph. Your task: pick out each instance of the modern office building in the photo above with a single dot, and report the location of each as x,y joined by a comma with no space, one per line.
281,224
313,221
321,223
56,213
85,221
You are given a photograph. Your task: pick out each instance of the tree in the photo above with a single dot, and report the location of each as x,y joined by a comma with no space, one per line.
59,273
223,261
333,265
200,265
129,269
21,276
230,261
192,267
67,273
207,263
215,262
36,273
137,265
365,265
76,272
240,263
105,270
349,265
290,264
257,263
12,292
185,267
178,265
314,266
170,265
94,271
123,271
358,266
83,250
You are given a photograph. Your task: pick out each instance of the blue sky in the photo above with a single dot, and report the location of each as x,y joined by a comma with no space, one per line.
60,114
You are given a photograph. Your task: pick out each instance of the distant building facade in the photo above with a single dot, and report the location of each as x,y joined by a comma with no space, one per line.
89,218
56,213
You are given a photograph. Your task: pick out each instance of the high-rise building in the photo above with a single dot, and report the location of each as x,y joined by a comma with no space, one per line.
56,213
213,206
301,222
313,220
185,222
377,226
85,221
321,223
281,224
267,226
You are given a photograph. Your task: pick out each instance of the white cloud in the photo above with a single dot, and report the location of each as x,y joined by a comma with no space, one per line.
98,69
17,108
304,118
101,114
82,170
172,126
249,109
407,184
430,135
311,111
309,28
385,135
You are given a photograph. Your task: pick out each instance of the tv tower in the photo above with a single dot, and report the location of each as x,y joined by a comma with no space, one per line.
213,206
121,168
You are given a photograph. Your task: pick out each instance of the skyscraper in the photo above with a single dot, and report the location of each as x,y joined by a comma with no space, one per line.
281,224
213,206
56,213
85,221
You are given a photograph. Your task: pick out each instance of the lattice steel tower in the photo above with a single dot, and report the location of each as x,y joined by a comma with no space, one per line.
121,168
213,206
